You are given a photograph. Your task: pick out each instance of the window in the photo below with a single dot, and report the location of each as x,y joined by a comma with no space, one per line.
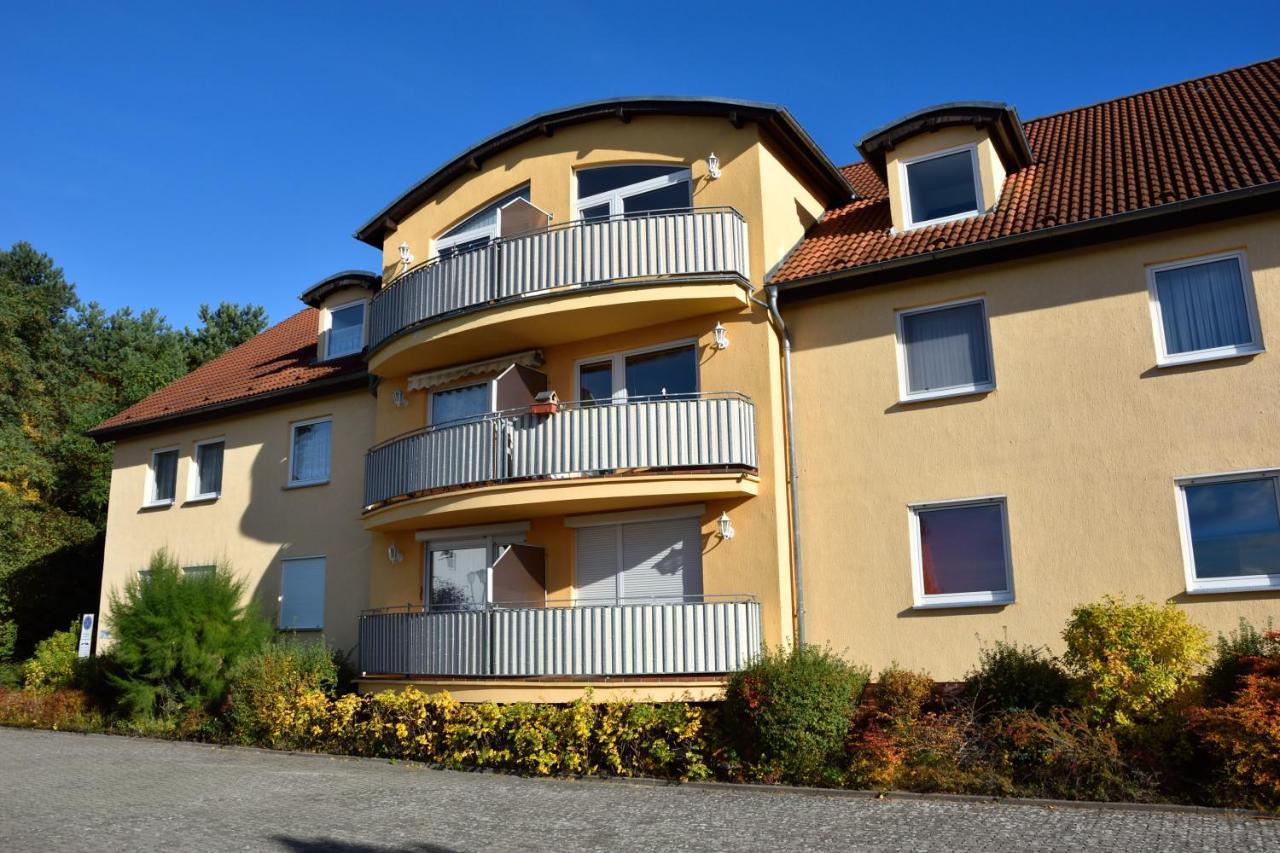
941,187
944,350
302,594
345,335
667,371
162,477
1231,531
632,190
465,403
460,572
1203,309
206,476
960,553
198,571
478,229
309,457
659,559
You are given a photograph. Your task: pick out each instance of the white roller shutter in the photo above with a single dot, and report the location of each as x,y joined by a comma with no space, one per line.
639,561
596,565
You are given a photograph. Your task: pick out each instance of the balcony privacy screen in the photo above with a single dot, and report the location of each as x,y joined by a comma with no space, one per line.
1203,306
946,348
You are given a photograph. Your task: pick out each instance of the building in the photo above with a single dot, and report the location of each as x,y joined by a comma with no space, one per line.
645,383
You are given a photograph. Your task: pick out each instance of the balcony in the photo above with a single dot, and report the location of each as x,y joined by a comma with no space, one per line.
710,635
575,445
696,260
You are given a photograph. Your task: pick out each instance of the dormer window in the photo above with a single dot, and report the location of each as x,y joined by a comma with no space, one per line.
632,190
346,330
478,229
942,186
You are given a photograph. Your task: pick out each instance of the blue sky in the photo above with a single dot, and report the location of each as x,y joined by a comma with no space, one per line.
179,153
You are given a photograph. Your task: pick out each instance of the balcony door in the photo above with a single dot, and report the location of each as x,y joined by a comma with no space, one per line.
473,572
631,190
667,371
478,229
658,560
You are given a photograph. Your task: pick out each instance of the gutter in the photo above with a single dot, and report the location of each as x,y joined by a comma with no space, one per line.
784,336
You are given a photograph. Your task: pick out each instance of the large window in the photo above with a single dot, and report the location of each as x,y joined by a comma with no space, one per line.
944,350
206,475
1231,531
467,402
345,335
477,229
1203,309
461,572
632,190
668,371
960,553
309,456
655,559
302,594
162,477
941,187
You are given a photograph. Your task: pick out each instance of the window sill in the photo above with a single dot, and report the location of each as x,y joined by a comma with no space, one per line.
201,499
952,602
942,220
157,505
284,630
1203,356
306,484
945,393
1255,583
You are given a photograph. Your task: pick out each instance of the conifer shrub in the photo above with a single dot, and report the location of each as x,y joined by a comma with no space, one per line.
787,714
176,639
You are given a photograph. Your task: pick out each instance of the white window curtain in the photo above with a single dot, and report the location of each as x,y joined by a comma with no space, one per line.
1203,306
946,348
310,459
346,331
209,463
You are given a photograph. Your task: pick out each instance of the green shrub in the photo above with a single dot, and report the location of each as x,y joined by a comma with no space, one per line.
1132,660
787,714
1231,661
284,668
1010,677
176,638
53,665
12,675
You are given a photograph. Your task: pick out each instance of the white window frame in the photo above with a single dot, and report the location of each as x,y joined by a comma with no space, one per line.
193,485
326,324
614,198
149,490
984,598
493,538
905,394
431,393
441,243
1243,583
293,434
904,182
618,362
324,594
1166,359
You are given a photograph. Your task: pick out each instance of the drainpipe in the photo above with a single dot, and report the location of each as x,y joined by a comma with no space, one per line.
784,336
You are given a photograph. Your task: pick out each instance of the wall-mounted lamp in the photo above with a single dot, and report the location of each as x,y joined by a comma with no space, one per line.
713,166
394,554
397,398
724,526
406,257
720,337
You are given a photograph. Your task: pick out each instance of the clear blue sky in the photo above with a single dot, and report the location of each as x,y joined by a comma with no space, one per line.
179,153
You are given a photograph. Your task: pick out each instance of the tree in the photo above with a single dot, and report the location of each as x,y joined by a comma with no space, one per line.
222,329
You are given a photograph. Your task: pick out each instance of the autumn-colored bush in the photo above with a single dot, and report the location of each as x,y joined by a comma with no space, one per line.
1132,660
60,709
1244,733
285,668
1233,655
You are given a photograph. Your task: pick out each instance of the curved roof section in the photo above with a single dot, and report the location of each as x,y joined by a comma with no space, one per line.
318,292
1000,119
776,121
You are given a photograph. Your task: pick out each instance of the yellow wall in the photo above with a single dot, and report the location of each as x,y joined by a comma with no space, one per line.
1083,434
257,520
991,171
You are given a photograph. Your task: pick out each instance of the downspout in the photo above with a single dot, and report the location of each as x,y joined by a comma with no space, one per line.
784,335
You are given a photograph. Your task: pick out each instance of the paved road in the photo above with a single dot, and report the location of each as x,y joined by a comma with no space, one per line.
63,791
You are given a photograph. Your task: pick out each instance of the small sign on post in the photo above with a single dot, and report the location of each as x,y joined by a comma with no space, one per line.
86,634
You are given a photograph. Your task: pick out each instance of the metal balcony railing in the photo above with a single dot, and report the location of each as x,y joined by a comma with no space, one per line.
709,635
708,431
674,244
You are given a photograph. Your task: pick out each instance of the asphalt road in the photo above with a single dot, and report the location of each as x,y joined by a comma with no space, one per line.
61,791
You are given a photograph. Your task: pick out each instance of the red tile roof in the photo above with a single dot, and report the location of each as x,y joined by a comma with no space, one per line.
1189,140
281,359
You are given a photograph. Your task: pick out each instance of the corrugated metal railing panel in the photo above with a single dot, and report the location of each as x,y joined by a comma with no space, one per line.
709,430
680,638
675,243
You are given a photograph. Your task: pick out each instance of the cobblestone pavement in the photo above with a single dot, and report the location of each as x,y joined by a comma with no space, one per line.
63,791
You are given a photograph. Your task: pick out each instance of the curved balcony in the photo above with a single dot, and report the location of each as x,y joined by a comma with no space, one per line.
676,250
652,435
